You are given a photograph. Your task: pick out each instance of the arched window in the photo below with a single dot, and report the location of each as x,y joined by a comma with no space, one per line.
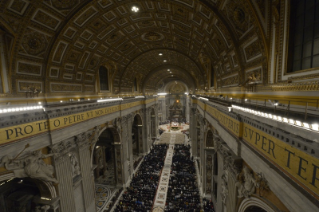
304,35
104,78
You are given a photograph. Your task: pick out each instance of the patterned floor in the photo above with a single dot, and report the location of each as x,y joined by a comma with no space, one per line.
105,188
103,194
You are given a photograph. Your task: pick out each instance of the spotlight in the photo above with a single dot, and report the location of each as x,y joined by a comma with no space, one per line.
135,9
160,54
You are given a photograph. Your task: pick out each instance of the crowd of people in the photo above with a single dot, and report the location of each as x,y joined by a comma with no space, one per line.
140,194
183,193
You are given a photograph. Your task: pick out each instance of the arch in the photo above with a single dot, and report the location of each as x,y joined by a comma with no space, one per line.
254,202
153,123
106,139
185,74
169,84
29,192
137,139
209,139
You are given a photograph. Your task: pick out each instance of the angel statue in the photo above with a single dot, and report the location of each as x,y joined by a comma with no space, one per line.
30,165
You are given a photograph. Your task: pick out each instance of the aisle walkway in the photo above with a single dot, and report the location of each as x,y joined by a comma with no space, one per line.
160,197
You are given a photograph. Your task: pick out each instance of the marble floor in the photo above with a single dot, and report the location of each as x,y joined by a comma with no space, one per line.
105,188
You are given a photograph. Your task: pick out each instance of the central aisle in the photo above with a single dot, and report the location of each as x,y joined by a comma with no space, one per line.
161,194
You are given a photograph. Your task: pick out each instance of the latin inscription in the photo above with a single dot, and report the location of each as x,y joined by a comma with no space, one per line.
299,164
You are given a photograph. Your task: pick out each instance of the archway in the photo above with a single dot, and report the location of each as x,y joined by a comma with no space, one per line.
209,139
254,204
153,125
25,194
137,139
107,168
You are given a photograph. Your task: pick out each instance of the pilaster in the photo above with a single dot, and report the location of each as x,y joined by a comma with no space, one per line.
83,144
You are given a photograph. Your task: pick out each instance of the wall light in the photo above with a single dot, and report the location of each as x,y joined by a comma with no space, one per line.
162,94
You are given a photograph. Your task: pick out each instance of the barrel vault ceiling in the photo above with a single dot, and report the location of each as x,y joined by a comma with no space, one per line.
58,46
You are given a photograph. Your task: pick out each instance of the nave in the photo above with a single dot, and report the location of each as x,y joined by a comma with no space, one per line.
165,181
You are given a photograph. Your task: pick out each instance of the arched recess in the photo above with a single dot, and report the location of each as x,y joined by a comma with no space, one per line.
104,157
209,139
26,194
153,124
254,204
137,139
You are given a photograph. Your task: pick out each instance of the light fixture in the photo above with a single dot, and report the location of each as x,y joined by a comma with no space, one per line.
203,98
298,123
291,121
79,100
160,54
162,94
39,103
164,61
315,127
306,125
109,100
135,9
168,69
172,75
245,100
61,101
88,99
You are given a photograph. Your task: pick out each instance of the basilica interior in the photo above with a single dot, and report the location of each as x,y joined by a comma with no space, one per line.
159,105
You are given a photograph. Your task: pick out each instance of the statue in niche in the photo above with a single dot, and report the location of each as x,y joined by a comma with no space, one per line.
31,165
246,183
75,165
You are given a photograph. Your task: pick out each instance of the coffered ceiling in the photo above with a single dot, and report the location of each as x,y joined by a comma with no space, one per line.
58,46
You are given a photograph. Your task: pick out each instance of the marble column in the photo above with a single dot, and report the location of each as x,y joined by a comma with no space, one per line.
86,171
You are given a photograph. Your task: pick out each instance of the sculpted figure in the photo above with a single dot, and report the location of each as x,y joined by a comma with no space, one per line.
75,165
224,193
31,166
247,184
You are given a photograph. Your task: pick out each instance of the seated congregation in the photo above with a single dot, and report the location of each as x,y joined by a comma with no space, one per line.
182,195
140,194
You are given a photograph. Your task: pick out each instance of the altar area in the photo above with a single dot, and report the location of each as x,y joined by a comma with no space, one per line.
175,126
